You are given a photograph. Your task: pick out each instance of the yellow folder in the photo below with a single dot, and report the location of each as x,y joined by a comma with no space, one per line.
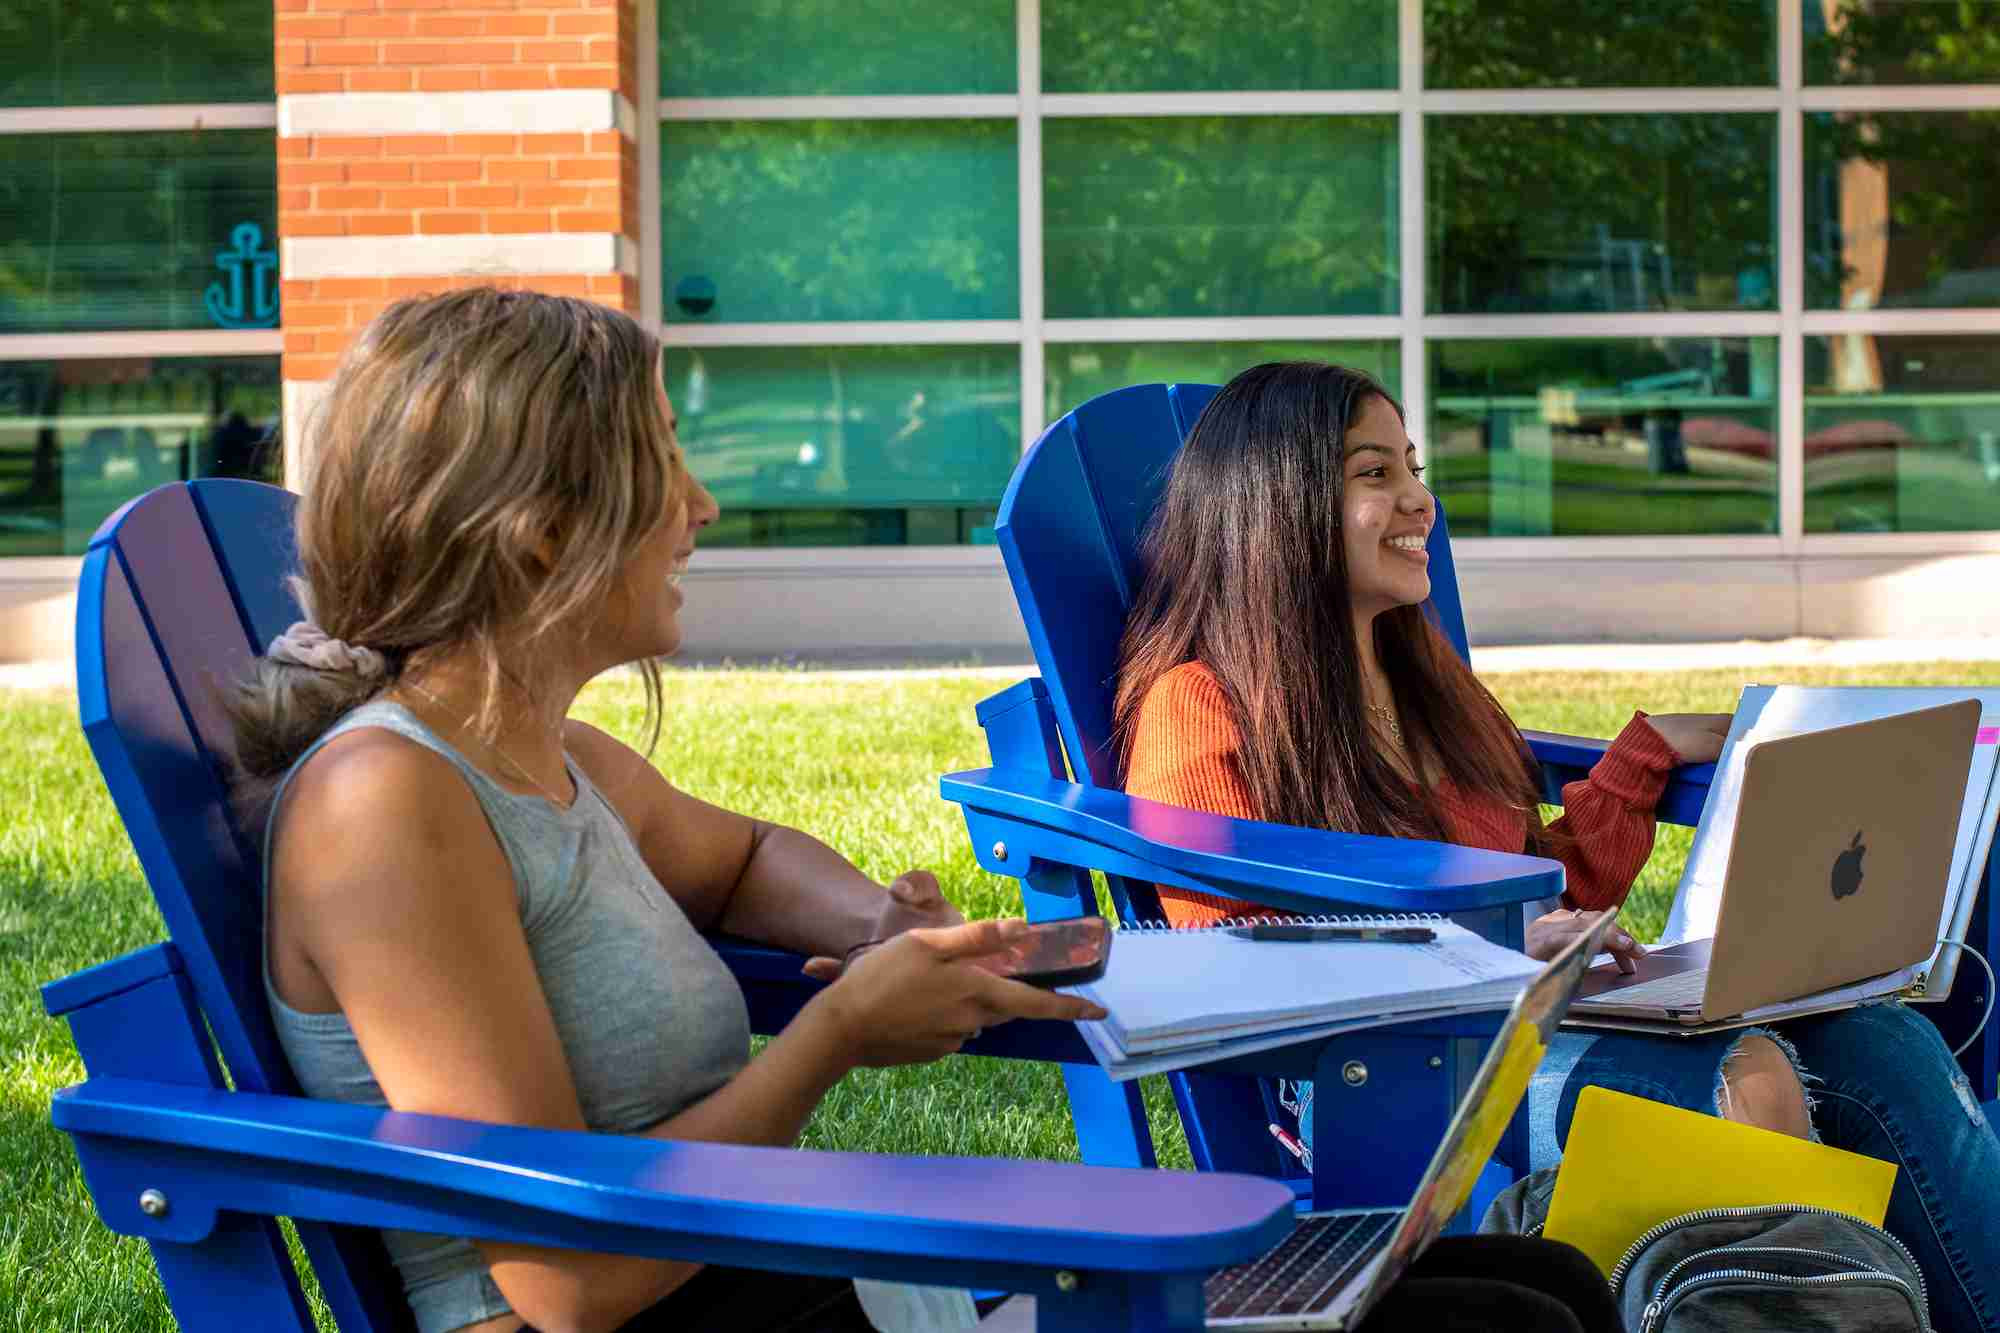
1631,1164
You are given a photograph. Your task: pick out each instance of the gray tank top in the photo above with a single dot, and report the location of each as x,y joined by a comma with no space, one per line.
651,1020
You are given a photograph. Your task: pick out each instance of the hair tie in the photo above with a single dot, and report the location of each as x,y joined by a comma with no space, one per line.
306,644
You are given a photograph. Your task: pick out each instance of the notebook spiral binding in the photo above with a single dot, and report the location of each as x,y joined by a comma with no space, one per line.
1324,919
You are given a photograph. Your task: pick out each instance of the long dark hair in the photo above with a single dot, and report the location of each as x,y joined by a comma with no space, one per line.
1246,573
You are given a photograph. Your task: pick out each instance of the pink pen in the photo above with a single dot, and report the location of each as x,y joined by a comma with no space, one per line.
1290,1142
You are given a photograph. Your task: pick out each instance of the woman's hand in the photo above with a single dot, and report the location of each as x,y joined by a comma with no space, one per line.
1695,737
1550,935
918,997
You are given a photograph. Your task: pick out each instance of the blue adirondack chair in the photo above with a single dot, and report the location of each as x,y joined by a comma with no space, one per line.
179,590
1049,812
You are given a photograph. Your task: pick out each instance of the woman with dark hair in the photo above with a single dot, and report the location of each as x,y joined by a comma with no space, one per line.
1279,665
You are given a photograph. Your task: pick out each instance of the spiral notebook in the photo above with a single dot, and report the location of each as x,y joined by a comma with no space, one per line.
1174,998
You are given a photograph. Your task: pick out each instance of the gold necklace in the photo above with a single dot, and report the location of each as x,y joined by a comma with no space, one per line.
494,746
1389,720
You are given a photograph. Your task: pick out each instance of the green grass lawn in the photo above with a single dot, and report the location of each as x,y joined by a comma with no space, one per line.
855,761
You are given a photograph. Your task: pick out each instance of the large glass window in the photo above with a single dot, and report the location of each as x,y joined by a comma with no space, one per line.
840,220
1604,437
1222,215
1590,322
1896,212
80,437
1074,373
131,230
126,52
849,445
1630,44
1147,46
1902,433
1901,41
824,48
1562,213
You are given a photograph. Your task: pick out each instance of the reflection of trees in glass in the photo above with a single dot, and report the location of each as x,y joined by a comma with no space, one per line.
1915,448
120,52
1615,212
1893,214
1594,437
836,220
120,230
1074,373
1277,215
1137,46
809,48
1630,44
1902,41
812,427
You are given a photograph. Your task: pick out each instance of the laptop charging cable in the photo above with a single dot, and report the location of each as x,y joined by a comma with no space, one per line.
1966,1045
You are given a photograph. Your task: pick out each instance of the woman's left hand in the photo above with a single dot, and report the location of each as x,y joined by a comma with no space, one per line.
1695,737
1550,935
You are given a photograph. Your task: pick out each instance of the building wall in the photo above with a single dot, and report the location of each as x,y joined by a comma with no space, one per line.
426,147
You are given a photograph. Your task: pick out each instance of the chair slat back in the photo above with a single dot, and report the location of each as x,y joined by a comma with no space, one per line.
152,668
180,590
1069,529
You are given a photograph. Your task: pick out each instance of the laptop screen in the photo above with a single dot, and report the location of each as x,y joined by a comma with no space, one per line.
1486,1109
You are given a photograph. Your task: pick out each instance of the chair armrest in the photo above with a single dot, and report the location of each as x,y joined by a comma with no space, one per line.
817,1211
1070,824
1567,759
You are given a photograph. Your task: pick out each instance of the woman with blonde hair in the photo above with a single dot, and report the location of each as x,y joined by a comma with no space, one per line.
480,907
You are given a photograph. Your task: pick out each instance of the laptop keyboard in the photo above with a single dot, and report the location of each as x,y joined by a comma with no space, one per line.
1682,990
1306,1269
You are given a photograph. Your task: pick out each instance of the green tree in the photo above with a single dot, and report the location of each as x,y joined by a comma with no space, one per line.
1630,44
122,52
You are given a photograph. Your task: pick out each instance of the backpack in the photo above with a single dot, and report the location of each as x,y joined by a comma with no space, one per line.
1746,1270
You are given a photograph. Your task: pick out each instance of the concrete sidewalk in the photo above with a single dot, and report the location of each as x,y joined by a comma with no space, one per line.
1494,660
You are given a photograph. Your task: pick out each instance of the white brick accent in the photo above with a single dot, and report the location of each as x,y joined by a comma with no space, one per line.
301,398
565,111
450,256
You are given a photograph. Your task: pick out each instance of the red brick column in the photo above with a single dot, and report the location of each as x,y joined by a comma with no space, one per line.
424,145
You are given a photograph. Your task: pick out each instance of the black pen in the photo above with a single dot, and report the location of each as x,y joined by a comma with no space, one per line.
1304,934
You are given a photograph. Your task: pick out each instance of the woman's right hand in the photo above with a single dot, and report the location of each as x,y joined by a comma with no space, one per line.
917,996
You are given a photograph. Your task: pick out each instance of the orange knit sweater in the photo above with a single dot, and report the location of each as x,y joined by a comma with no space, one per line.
1184,752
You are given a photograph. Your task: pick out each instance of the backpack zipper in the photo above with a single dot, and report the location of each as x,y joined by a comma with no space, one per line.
1656,1309
1624,1266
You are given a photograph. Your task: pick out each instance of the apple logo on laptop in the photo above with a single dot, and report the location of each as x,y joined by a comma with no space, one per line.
1846,878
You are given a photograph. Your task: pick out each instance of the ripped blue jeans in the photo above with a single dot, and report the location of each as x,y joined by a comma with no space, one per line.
1881,1083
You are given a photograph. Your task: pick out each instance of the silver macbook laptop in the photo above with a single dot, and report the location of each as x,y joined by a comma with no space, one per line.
1837,872
1334,1266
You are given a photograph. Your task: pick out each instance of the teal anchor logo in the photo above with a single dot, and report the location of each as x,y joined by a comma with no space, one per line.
258,307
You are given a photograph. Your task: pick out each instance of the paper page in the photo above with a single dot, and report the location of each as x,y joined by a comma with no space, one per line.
1167,988
1765,712
1123,1068
1874,988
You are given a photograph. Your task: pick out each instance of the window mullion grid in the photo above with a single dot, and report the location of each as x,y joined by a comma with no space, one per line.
1791,184
167,116
650,128
1028,258
1412,259
1413,325
140,342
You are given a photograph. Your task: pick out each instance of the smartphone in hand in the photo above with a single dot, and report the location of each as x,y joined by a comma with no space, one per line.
1055,953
